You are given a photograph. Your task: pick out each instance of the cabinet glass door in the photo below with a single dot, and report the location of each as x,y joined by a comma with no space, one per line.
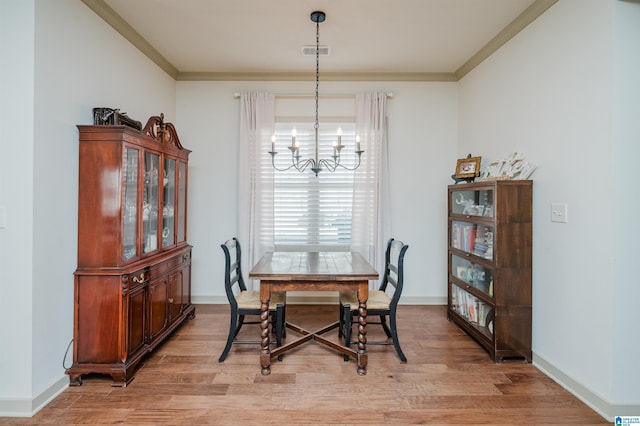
150,202
472,203
182,201
474,238
169,202
477,312
130,218
473,274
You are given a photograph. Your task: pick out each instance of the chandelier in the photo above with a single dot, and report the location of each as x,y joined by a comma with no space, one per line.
316,164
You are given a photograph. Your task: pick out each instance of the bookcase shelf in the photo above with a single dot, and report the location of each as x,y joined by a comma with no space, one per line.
489,265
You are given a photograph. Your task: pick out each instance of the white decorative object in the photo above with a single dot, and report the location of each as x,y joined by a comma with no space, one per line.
468,204
512,167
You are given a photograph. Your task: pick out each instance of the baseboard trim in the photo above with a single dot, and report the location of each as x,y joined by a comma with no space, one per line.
584,394
24,407
299,298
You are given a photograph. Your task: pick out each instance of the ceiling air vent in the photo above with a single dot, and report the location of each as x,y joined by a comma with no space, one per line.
311,50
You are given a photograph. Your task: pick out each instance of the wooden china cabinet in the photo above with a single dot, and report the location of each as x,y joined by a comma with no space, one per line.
132,286
490,252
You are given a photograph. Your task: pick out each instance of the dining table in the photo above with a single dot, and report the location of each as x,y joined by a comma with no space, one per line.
313,271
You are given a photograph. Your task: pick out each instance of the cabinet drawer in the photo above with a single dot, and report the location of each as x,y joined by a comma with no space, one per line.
163,268
136,278
174,263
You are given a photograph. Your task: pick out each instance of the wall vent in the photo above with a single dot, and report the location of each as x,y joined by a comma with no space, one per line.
311,50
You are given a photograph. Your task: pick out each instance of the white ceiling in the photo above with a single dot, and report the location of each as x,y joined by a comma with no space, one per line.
260,37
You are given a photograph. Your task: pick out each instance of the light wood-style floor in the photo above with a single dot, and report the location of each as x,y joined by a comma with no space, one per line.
448,379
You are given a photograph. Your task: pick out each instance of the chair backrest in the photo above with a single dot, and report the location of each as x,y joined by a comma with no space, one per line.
394,268
233,279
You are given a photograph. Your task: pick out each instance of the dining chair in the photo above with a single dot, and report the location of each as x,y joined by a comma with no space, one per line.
382,302
247,302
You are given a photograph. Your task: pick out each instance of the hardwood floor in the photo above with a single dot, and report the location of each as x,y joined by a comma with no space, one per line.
448,379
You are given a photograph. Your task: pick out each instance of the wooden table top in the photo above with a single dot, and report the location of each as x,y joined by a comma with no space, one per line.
313,266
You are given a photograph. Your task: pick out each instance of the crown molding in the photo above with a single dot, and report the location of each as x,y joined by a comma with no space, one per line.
536,9
328,76
110,16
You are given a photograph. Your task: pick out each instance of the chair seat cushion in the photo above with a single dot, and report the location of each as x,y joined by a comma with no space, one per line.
377,299
250,299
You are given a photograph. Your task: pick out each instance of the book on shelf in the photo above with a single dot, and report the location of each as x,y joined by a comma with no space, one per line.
483,314
489,253
469,237
456,236
479,248
472,308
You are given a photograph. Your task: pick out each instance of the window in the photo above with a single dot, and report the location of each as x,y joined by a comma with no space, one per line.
309,212
344,210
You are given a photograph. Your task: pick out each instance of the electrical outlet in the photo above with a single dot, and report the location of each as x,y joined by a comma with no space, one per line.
559,212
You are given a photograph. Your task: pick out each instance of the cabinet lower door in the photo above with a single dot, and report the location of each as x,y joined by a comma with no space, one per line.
137,309
158,312
175,298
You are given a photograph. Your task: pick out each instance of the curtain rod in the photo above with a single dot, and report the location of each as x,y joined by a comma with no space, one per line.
289,95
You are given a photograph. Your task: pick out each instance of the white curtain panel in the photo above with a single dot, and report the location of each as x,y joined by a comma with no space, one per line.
371,224
257,122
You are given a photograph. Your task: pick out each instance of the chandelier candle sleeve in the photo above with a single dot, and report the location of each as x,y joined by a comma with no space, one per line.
293,139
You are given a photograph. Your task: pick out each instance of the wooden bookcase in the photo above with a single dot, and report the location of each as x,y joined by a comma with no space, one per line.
489,264
132,286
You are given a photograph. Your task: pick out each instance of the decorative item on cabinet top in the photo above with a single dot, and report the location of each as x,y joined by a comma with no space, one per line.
512,167
112,116
467,169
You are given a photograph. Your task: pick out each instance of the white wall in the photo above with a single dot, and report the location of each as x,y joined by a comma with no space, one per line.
422,151
548,93
626,151
16,197
80,63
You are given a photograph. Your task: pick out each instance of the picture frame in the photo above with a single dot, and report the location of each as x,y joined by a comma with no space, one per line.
468,167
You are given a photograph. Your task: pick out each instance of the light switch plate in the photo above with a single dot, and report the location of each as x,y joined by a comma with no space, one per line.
559,212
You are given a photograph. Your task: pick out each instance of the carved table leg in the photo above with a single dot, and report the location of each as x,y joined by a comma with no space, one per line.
363,295
265,352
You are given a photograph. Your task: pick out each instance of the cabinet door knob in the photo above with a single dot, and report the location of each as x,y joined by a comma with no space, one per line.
171,300
139,279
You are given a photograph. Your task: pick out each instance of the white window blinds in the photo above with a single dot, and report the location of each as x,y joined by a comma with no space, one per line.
309,212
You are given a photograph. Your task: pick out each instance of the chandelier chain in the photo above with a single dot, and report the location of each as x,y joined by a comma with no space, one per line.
316,164
317,70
